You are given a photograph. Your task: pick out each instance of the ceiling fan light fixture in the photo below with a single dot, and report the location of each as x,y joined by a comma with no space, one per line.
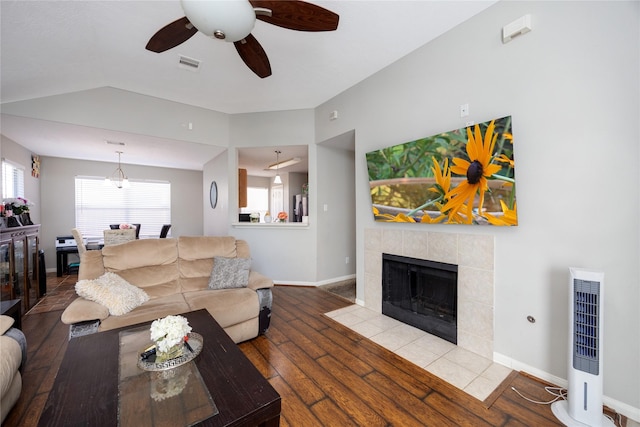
230,20
277,179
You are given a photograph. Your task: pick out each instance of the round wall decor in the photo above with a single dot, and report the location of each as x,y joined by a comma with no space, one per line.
213,194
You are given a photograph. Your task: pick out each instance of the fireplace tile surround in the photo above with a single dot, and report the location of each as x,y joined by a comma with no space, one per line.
474,255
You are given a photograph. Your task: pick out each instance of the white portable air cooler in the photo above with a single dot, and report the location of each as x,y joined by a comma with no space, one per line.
583,406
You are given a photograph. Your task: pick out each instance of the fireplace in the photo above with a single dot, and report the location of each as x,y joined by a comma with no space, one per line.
421,293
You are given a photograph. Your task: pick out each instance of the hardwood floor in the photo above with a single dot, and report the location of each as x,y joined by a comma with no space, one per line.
326,374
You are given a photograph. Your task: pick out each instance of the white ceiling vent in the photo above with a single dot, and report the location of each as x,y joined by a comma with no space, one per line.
188,63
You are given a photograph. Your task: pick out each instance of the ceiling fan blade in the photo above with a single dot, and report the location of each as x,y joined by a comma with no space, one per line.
254,56
297,15
170,36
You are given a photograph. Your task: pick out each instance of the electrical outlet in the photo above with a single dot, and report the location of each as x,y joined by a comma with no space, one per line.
464,110
346,260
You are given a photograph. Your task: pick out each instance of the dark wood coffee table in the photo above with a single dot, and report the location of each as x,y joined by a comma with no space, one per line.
85,391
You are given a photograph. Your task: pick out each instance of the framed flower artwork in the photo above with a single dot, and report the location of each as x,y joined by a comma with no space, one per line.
463,176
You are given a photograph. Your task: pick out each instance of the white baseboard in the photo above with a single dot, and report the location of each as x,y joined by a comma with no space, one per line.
289,283
620,407
336,280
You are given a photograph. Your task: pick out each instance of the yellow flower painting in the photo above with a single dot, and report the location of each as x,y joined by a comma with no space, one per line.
464,176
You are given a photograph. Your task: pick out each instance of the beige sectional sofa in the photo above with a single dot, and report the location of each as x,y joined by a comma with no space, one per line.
12,356
175,274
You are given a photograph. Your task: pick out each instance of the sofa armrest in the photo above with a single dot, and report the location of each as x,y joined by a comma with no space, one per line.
5,323
82,310
259,281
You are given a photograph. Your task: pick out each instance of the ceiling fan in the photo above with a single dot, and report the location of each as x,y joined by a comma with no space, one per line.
233,20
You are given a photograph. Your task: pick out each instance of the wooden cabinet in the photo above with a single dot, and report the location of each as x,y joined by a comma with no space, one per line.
19,258
242,188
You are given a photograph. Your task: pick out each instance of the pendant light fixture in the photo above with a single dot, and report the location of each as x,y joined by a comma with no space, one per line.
277,179
118,178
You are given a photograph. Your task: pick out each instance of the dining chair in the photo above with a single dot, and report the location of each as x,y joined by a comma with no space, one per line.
73,267
137,230
77,236
164,231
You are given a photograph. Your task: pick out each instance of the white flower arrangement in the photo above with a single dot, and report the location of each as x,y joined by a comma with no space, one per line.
169,331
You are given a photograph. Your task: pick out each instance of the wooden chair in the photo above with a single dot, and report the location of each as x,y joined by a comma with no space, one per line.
164,231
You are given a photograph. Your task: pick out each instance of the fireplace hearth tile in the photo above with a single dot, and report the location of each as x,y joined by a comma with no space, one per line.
384,322
469,360
366,329
496,373
481,388
417,354
435,344
468,370
348,319
343,310
452,373
397,337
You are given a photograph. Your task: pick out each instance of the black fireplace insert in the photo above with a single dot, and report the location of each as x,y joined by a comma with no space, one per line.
421,293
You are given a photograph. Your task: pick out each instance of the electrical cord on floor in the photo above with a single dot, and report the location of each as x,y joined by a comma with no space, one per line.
558,392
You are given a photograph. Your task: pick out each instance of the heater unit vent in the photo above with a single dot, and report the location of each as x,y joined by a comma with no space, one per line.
586,353
188,63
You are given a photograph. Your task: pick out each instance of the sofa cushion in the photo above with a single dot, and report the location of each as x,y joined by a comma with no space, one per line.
91,265
196,258
151,310
112,291
5,323
206,247
140,253
228,273
83,310
150,264
9,362
227,306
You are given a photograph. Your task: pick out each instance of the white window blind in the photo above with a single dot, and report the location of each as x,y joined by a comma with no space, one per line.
12,180
98,205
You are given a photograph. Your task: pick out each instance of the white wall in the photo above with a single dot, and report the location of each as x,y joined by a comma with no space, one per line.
215,220
336,190
57,196
287,255
16,153
571,86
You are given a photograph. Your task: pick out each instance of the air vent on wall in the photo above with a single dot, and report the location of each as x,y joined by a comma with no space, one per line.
188,63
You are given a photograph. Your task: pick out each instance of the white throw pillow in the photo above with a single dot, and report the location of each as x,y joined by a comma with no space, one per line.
229,273
112,291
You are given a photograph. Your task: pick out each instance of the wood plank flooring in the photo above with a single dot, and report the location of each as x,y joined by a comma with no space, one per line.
326,374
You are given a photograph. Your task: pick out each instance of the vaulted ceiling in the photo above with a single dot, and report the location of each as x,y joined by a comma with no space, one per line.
58,47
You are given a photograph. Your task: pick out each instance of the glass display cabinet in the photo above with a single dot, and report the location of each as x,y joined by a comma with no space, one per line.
19,272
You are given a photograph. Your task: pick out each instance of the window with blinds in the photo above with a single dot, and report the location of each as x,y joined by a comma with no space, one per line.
99,204
12,180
